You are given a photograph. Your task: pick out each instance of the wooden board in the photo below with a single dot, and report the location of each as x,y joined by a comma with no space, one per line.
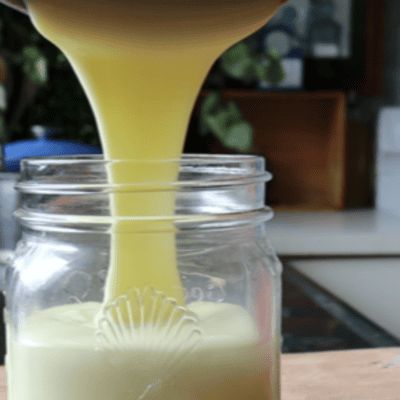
3,384
342,375
303,138
339,375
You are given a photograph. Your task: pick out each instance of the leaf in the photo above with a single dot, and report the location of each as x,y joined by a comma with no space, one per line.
236,53
227,124
273,53
274,71
210,103
209,106
35,65
218,123
234,112
240,136
238,62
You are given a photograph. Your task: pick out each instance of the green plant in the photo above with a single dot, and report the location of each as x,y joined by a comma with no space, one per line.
241,63
227,122
39,85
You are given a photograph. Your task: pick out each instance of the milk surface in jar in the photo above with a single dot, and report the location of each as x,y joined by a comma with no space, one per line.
141,63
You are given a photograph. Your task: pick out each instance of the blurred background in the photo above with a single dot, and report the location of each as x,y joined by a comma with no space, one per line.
316,91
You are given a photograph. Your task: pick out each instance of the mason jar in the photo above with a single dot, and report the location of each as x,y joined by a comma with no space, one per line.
64,341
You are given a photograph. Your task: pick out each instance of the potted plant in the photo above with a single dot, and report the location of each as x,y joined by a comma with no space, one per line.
38,86
225,122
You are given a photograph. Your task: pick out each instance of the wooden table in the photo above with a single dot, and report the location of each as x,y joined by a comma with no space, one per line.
337,375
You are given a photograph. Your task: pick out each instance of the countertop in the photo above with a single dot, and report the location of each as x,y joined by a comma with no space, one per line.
330,233
337,375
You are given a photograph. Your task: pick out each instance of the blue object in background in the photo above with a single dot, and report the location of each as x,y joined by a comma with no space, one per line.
43,146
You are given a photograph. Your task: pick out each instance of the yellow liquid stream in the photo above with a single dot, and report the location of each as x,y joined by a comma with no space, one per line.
141,64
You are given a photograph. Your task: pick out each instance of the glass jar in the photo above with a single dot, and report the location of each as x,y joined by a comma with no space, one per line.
222,343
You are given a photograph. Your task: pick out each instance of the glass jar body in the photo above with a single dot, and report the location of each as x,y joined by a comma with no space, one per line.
224,342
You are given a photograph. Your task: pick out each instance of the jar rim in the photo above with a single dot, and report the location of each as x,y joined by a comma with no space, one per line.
68,159
75,192
204,170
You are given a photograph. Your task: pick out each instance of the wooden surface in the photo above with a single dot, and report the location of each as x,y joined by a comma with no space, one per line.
342,375
338,375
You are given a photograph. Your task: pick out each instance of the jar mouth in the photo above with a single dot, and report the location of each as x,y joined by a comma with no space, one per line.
207,191
88,173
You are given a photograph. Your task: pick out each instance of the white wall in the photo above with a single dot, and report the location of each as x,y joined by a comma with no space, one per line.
387,109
